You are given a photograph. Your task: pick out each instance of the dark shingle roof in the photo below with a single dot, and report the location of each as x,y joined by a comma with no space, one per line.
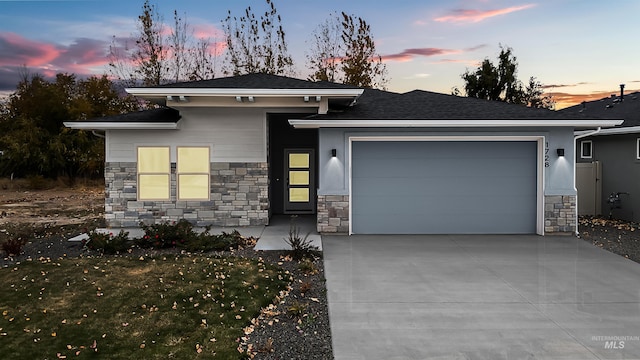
159,115
610,108
257,81
425,105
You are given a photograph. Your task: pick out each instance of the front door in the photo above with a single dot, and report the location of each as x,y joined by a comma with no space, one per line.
300,189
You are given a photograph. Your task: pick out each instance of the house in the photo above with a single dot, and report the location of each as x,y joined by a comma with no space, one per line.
608,160
236,151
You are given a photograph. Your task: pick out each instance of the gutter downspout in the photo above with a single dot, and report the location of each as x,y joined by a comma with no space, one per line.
98,135
575,142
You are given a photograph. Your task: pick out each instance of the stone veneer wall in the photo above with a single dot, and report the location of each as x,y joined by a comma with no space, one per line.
559,214
239,197
333,214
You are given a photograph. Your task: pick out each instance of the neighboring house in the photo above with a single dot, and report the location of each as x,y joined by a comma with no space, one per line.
236,151
608,161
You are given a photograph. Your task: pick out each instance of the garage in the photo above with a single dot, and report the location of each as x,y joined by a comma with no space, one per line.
443,187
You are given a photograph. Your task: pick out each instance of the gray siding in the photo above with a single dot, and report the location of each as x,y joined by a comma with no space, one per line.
444,187
235,135
620,172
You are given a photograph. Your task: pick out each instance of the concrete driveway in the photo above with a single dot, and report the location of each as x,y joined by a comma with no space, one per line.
480,297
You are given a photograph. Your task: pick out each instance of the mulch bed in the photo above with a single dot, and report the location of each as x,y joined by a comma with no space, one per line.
617,236
295,327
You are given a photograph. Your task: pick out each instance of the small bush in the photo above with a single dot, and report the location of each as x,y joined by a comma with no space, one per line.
208,242
38,182
13,246
166,235
182,235
301,247
108,243
305,287
308,267
297,309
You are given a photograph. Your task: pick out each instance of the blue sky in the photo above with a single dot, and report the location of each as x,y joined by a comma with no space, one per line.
580,49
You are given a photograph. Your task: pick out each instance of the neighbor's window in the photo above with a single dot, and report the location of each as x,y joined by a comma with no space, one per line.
586,149
154,173
193,173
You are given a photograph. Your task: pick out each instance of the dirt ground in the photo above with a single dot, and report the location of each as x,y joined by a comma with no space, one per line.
49,217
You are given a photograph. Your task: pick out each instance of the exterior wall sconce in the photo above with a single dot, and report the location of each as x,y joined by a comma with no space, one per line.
560,152
334,152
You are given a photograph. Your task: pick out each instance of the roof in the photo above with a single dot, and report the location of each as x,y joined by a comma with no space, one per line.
159,118
419,104
381,108
610,108
257,81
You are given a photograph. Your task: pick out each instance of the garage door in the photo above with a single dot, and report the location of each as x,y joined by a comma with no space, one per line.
436,187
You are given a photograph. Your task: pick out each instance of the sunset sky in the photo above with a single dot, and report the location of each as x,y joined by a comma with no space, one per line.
580,49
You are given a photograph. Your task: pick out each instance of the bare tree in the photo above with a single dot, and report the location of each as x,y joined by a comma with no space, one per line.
257,45
150,56
178,47
343,50
361,65
154,58
326,51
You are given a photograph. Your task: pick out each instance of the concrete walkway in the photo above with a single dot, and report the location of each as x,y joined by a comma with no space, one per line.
480,297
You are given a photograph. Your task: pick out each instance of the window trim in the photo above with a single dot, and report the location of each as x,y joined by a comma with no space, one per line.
179,173
140,173
582,148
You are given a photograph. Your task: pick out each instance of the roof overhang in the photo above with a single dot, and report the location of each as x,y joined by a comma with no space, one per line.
585,124
97,125
614,131
163,92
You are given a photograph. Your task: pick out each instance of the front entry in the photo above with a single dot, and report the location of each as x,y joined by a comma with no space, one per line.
299,191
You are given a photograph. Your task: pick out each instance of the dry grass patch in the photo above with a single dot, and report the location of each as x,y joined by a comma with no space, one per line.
179,307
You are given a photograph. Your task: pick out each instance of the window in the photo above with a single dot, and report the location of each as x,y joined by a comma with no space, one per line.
193,173
586,149
154,173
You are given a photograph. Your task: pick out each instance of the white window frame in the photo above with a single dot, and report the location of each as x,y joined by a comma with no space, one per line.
140,173
582,148
180,173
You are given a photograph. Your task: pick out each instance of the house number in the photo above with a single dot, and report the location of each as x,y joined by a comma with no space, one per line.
546,154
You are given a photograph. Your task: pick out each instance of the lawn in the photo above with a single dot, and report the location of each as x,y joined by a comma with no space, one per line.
172,306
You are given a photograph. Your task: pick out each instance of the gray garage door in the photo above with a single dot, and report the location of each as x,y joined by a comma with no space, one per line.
413,187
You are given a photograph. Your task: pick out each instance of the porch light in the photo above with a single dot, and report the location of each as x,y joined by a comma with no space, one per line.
334,152
560,152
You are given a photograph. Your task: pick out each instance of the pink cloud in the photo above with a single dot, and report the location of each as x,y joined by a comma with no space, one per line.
207,31
16,50
409,54
473,16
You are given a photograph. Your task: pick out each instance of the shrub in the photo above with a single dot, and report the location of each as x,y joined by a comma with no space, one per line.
305,287
181,234
37,182
301,247
13,246
297,309
107,243
307,266
208,242
166,235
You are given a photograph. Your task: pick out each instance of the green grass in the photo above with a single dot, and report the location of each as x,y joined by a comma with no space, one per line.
180,307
